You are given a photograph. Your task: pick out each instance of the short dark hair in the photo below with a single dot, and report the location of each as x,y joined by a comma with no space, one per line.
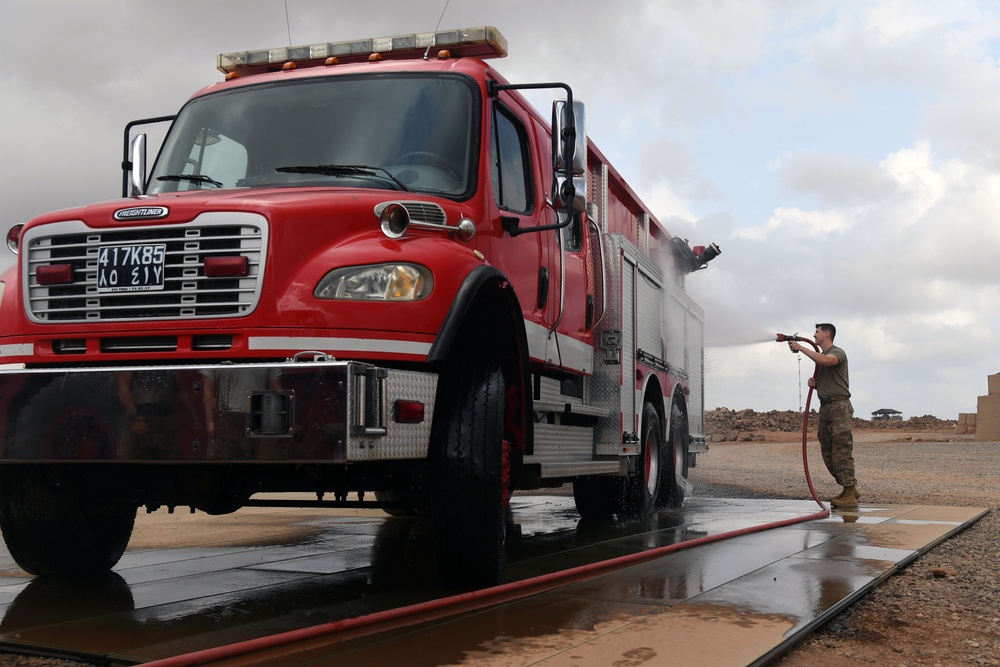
829,328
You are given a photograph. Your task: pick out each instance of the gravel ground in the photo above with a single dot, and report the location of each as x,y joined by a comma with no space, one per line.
944,609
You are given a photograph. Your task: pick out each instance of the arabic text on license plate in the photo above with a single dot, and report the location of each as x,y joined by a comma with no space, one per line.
130,268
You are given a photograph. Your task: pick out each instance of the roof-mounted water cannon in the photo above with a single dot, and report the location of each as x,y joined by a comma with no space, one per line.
477,42
688,259
703,255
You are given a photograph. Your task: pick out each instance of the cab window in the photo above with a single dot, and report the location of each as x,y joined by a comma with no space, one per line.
511,163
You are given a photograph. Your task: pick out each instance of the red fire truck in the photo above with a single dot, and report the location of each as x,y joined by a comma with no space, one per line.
369,271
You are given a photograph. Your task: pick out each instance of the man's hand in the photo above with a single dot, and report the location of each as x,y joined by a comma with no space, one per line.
811,382
795,346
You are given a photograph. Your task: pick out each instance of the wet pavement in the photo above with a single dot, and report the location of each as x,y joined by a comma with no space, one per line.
229,579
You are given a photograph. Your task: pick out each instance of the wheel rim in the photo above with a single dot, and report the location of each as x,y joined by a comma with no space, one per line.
678,451
652,460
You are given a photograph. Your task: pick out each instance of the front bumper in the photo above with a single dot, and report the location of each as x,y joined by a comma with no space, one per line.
294,412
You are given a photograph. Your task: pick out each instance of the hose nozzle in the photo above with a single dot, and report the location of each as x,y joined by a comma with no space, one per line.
784,338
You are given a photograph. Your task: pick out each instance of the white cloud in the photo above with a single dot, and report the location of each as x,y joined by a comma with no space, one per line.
845,156
837,180
797,223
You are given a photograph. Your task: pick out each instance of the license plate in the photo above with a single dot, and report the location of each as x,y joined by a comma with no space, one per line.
131,268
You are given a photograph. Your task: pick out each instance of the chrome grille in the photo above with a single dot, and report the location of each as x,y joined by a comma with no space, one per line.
187,293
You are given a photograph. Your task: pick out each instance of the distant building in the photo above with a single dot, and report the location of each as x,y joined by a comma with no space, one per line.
887,413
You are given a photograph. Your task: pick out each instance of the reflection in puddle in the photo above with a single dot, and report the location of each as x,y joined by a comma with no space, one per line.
49,600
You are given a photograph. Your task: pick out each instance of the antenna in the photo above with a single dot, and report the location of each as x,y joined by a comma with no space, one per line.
427,53
288,26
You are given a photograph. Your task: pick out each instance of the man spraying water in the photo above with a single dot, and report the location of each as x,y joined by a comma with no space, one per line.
835,413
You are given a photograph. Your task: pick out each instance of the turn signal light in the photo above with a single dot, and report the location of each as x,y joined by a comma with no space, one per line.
409,412
54,274
227,267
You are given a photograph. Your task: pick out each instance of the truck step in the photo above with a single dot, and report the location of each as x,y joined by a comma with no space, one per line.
556,443
556,470
574,408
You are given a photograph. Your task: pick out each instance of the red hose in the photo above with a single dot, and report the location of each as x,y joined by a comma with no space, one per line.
484,597
805,427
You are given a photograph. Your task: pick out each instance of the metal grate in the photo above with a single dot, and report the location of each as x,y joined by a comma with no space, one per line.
187,292
420,211
425,212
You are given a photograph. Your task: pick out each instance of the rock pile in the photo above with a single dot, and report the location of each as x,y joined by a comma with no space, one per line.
725,425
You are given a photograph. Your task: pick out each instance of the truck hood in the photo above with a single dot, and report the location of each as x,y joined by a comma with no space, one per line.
181,207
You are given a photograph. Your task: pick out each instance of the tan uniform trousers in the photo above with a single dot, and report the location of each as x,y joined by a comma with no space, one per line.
836,440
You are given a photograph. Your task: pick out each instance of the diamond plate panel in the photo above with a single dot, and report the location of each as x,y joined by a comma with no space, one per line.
403,441
605,385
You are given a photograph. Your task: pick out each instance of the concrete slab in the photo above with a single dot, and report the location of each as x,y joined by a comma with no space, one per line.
740,601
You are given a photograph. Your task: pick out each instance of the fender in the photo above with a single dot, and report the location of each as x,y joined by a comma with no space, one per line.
652,391
479,278
677,397
486,318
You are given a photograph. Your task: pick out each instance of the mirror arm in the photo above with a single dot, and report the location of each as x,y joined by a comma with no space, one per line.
568,190
126,158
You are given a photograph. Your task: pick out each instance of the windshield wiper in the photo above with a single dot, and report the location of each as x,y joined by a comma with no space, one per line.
194,178
346,170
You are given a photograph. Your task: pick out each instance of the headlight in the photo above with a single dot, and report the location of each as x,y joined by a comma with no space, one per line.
383,282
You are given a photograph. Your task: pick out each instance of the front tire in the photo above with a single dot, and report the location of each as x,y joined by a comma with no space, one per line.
60,523
471,476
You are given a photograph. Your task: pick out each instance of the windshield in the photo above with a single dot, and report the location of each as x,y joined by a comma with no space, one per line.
394,132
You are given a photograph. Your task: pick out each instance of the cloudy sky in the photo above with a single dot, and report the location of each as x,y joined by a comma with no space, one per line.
845,155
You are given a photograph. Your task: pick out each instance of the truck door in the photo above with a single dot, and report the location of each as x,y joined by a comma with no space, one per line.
576,299
570,338
518,202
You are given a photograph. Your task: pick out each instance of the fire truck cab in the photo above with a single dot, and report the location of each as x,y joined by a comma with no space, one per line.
370,271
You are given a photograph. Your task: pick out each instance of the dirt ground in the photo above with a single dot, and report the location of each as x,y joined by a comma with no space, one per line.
944,608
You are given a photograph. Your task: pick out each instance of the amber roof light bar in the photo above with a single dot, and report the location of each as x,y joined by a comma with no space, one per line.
481,42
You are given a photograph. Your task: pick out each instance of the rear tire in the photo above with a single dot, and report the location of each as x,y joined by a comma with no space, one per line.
61,524
671,491
639,491
470,493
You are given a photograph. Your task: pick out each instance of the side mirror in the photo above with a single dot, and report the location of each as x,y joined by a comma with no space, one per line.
137,173
569,154
569,134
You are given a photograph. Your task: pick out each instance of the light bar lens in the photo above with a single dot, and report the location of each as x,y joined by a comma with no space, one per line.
479,42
